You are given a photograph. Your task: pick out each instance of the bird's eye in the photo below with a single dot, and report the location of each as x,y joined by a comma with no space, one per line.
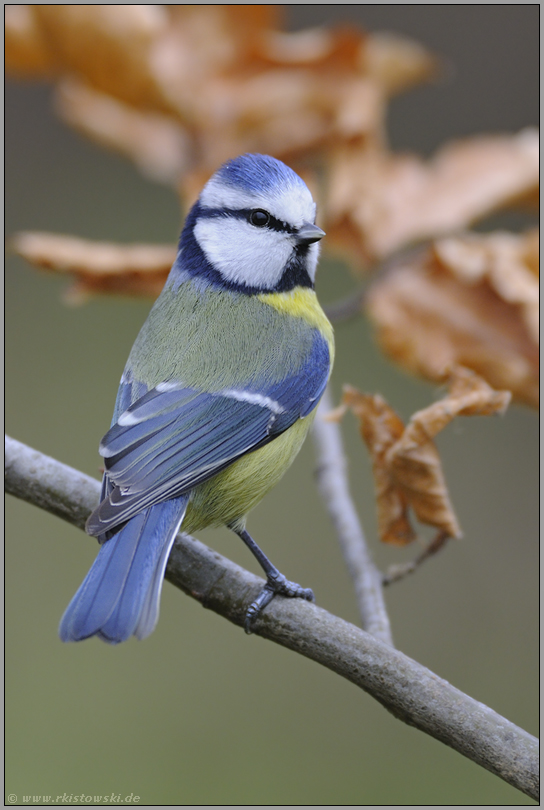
259,218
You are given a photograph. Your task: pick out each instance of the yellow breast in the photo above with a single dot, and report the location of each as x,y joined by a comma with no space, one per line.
302,303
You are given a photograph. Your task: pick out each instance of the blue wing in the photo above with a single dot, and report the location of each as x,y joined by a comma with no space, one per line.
129,391
173,437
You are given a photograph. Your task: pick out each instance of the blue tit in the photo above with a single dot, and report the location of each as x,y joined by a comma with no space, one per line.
217,396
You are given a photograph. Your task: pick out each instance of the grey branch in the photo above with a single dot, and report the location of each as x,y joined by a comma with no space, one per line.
333,484
407,689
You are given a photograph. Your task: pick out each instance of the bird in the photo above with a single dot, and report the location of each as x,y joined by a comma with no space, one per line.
217,396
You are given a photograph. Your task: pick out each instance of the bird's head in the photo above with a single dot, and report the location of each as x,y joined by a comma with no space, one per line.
253,228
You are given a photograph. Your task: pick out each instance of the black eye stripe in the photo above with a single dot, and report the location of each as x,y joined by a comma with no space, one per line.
273,223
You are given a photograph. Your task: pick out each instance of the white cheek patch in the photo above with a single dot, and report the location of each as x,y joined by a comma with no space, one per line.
243,253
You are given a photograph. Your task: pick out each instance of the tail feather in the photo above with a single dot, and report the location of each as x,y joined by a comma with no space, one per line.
120,595
149,614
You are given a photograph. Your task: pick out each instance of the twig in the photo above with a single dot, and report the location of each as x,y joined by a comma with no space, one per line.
352,305
398,571
334,488
347,308
408,690
49,484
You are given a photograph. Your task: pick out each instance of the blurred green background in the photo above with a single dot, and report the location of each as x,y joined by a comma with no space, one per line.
199,713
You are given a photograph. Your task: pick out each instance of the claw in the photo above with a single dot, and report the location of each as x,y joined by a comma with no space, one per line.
263,599
276,584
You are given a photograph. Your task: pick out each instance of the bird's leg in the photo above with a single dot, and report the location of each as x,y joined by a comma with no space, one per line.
276,582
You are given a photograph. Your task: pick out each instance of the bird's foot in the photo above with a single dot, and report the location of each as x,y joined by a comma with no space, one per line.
276,583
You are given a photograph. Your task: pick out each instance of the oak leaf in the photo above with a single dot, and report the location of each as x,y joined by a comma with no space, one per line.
26,51
227,75
157,143
378,202
406,465
98,267
470,300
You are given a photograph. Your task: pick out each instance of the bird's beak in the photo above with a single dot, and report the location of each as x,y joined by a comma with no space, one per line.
307,234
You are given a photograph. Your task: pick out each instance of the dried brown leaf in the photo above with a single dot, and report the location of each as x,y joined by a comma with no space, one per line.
109,45
506,260
406,464
414,459
326,48
383,201
98,267
470,301
225,72
156,143
398,63
278,93
181,88
380,429
531,251
26,51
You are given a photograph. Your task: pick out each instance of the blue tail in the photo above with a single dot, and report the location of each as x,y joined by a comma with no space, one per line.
120,595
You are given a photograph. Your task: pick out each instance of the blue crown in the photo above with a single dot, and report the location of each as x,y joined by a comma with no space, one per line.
258,173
